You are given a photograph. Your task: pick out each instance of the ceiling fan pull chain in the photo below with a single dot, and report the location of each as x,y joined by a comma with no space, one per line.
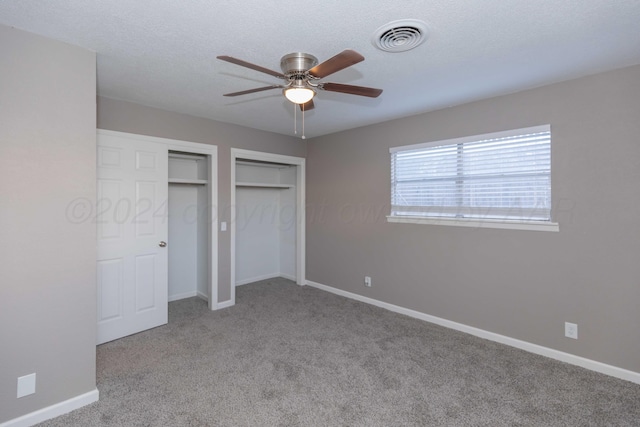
303,137
295,120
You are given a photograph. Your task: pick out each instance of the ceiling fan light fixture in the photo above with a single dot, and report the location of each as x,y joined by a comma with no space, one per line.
299,95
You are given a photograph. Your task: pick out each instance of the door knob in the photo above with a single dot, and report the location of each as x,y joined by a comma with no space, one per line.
162,244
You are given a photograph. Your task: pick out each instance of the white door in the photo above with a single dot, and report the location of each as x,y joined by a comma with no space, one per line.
131,215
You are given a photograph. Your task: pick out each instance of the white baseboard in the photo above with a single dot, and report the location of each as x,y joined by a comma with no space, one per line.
225,304
572,359
183,295
288,276
53,411
230,303
265,277
202,296
257,279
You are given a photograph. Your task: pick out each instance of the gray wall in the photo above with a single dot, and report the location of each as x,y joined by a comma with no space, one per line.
133,118
522,284
47,274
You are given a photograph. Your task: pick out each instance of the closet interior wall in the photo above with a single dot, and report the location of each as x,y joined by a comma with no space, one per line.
265,221
188,226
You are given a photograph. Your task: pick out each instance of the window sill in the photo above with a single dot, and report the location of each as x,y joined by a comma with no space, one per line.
478,223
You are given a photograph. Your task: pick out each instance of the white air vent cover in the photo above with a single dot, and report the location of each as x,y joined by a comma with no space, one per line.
400,36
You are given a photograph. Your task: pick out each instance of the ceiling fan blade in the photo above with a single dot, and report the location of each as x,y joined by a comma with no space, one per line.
353,90
344,59
246,64
307,106
258,89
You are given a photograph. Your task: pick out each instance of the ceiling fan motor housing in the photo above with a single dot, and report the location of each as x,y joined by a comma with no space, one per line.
297,64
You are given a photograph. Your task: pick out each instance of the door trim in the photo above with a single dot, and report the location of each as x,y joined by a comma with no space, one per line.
211,151
237,153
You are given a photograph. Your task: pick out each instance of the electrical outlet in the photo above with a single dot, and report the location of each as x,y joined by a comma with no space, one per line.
26,385
367,281
571,330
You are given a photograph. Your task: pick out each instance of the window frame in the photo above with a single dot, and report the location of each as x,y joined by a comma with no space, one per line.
514,224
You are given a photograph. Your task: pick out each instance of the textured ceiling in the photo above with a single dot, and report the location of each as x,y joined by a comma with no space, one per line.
162,53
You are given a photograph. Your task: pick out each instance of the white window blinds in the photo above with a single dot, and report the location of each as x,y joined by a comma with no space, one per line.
502,176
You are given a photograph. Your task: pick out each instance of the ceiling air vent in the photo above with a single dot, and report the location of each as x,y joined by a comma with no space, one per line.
400,36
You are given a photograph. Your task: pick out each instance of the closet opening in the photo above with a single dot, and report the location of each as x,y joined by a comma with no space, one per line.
189,226
157,237
267,217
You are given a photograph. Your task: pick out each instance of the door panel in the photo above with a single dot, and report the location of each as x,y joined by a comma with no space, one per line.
146,194
131,219
145,282
109,289
108,190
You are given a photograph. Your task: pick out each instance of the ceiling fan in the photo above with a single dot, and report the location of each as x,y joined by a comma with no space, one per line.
302,73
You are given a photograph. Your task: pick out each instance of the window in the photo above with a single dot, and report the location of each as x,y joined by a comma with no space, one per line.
499,177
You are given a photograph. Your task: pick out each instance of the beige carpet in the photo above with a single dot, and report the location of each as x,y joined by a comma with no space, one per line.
286,355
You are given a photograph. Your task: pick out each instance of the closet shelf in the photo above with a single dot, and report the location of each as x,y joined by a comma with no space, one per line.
187,181
262,164
263,185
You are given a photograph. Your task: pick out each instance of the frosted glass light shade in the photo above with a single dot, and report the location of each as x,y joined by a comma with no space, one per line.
299,95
